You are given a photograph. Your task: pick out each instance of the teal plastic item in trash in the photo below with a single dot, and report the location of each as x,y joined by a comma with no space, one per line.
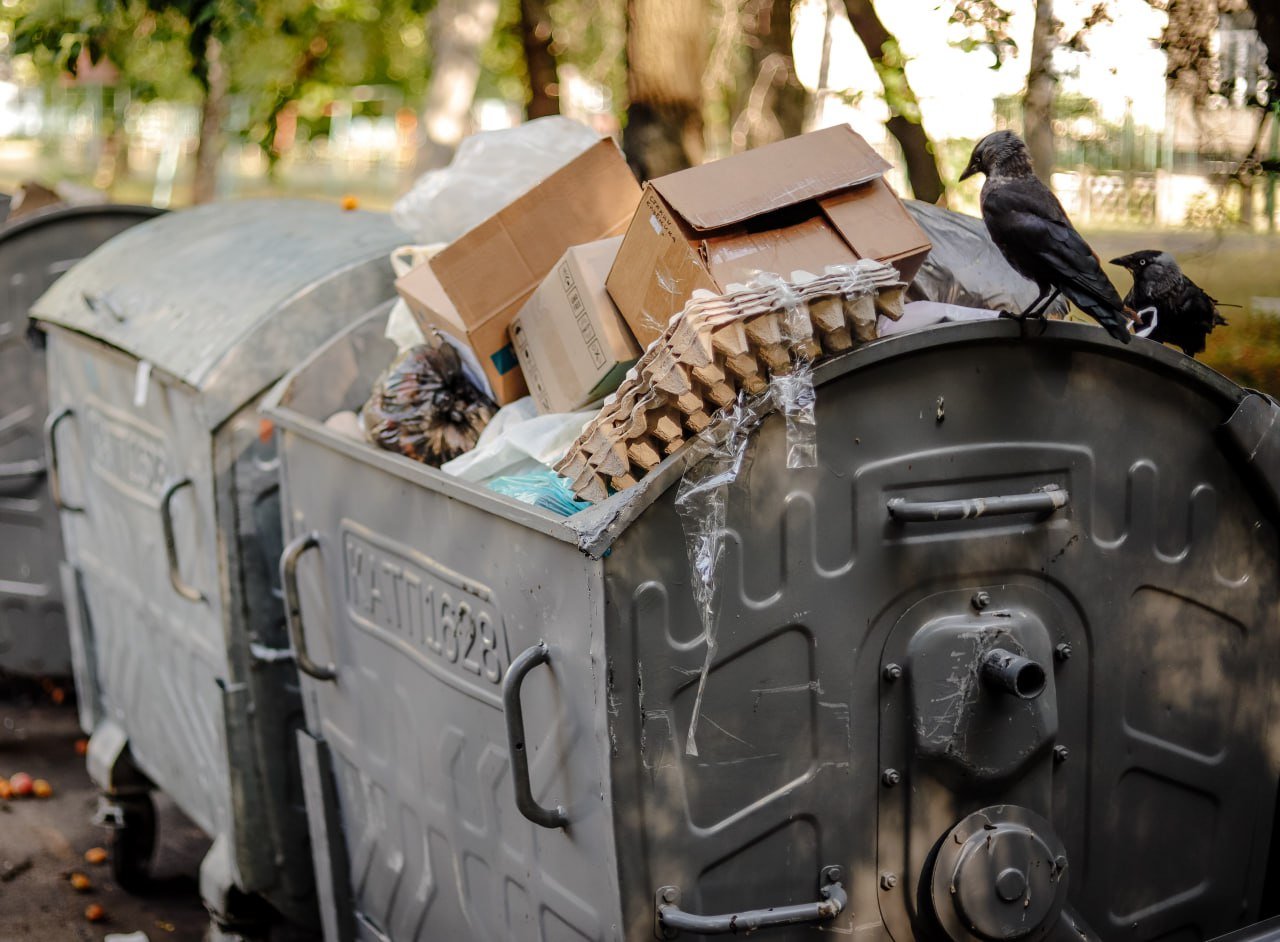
544,489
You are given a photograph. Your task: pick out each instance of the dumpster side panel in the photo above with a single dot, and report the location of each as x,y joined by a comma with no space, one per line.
422,602
829,724
33,254
270,836
161,658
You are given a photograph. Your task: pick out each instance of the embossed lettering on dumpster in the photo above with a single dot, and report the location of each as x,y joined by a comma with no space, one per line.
125,452
446,621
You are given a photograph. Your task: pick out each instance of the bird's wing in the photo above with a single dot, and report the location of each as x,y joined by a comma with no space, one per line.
1199,308
1026,218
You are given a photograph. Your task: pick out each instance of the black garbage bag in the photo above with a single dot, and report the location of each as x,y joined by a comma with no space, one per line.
966,268
424,407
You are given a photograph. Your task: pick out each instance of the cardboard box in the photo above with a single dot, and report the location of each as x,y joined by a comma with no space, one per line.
803,203
488,273
573,346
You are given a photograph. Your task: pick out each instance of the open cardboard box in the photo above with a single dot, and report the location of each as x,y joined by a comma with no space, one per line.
473,289
800,204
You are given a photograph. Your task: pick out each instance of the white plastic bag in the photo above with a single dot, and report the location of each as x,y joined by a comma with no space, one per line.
490,170
518,440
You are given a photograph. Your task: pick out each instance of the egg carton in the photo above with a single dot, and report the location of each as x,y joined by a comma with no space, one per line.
715,348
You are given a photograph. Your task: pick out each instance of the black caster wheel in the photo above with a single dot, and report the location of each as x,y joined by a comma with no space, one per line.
132,840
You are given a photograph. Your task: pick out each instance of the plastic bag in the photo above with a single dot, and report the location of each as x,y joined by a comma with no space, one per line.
543,488
425,408
518,440
489,170
966,268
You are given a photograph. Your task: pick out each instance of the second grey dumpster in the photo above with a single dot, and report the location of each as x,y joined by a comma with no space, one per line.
518,727
34,252
159,346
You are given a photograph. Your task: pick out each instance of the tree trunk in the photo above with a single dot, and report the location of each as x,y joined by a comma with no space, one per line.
204,185
1042,89
904,122
1267,14
459,30
774,103
544,84
666,56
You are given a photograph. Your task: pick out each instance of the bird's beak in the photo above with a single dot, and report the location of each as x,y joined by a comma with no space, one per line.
969,171
1122,261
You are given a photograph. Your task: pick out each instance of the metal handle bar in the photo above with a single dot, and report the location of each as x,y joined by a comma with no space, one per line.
1042,502
188,592
672,920
293,606
514,714
51,447
21,470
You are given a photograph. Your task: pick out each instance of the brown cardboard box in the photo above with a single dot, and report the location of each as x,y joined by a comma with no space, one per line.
803,203
474,288
573,345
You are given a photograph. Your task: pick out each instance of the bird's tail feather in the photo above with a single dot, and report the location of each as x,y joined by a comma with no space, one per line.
1115,323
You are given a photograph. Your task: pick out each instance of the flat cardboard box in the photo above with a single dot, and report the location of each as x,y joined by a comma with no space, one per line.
803,203
573,346
487,274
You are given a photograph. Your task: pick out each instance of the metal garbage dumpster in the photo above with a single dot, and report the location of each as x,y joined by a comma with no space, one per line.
980,674
34,252
160,345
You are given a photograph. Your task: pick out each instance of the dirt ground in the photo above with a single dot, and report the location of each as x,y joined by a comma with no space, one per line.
43,841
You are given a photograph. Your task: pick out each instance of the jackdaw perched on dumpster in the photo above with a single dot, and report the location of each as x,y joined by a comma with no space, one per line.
1185,315
1032,231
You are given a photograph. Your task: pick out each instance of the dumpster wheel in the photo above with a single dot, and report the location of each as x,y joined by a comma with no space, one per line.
132,841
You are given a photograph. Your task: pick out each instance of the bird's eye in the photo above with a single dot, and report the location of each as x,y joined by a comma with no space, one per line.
1142,263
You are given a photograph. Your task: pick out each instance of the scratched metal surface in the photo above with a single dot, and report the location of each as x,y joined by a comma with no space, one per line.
1161,572
35,252
225,296
205,690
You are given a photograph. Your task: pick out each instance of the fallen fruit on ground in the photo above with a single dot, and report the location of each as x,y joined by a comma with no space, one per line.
80,883
41,789
95,913
5,791
96,855
21,783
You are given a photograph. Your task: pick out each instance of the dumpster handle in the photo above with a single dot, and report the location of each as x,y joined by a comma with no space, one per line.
188,592
1043,502
51,446
293,607
514,715
19,470
671,920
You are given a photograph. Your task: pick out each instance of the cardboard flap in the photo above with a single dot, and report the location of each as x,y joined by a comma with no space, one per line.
873,220
768,178
809,245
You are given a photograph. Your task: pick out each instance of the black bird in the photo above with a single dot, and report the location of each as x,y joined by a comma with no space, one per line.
1032,231
1185,315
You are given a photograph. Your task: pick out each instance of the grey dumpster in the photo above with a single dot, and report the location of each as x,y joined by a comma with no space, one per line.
159,346
34,252
981,674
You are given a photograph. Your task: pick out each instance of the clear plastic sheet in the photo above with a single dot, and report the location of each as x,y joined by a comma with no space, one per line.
702,501
425,408
489,170
965,267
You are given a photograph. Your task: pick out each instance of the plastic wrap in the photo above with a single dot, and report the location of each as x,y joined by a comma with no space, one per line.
518,441
542,488
489,170
425,408
702,502
792,392
966,268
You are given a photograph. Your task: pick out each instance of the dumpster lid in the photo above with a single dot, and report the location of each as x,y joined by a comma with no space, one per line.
227,297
